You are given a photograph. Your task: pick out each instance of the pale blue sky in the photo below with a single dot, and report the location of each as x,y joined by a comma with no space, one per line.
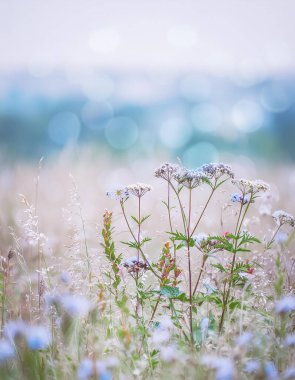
215,35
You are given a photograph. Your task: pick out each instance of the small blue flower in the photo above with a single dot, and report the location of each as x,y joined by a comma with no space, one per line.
285,305
239,198
38,337
7,351
244,339
14,329
270,371
252,366
289,373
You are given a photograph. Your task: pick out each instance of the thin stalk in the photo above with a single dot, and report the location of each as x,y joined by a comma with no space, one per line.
273,238
202,213
237,232
85,244
134,237
200,274
189,267
155,309
180,205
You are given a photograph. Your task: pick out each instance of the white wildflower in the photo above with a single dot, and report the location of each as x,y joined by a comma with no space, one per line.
118,193
217,170
190,178
282,217
166,171
139,189
250,187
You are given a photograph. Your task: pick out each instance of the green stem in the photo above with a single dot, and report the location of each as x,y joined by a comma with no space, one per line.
202,213
140,250
237,232
189,268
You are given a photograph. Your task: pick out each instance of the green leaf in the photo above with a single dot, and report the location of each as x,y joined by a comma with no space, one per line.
170,291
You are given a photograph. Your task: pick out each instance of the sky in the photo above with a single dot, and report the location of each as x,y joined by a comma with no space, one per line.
212,35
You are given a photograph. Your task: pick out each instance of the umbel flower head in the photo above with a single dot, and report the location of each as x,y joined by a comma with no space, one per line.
217,170
138,189
190,178
250,187
282,217
119,193
135,265
167,171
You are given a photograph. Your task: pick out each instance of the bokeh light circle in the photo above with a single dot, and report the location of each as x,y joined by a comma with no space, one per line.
174,132
247,116
97,87
195,88
95,115
121,132
206,117
275,98
199,154
64,127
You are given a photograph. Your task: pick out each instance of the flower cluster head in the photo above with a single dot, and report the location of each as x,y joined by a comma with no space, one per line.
167,171
37,337
166,265
217,170
282,217
119,193
200,240
190,178
204,243
138,189
239,198
285,305
250,187
135,265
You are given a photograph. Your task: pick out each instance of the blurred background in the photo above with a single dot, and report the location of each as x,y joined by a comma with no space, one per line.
198,80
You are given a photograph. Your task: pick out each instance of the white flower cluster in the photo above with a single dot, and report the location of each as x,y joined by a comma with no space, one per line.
138,189
119,193
190,178
250,187
282,217
217,170
166,171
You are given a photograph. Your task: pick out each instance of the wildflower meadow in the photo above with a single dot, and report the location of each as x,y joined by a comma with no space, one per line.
187,276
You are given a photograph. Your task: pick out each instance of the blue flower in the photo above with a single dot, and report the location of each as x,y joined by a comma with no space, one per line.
7,351
285,305
239,198
38,337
